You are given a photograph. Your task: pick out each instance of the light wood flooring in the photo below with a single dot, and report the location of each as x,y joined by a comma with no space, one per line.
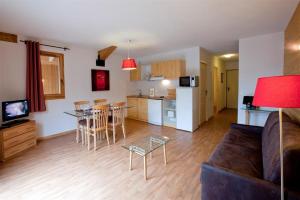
59,168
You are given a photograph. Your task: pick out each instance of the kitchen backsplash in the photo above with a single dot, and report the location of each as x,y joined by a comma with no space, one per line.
160,88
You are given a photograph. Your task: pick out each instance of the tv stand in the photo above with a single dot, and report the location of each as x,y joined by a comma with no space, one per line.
17,139
14,123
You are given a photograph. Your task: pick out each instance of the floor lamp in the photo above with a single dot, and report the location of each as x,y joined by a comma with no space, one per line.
278,92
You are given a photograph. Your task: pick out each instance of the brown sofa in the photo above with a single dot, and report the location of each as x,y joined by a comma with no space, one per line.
246,164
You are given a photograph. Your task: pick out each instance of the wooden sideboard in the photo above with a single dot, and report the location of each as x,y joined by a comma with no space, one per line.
16,139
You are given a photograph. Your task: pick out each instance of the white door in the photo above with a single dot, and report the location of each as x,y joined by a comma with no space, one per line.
232,82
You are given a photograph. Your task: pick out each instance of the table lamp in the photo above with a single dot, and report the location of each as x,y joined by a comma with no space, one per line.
278,92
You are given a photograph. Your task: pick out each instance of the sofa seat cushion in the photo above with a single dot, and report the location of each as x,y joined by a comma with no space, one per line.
239,151
291,151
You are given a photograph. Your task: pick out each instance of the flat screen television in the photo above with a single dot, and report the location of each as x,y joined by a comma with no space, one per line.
247,100
12,110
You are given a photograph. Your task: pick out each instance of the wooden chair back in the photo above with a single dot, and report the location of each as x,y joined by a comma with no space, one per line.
100,117
80,104
100,101
118,113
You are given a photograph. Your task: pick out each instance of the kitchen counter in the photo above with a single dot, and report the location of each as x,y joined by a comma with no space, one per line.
155,97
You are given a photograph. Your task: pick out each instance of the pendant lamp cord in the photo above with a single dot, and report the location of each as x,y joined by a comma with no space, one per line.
128,48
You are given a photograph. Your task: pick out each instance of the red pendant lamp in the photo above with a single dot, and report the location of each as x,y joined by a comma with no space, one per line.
129,63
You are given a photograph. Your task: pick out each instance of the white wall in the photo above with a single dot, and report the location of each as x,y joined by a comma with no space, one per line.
258,57
230,65
78,64
191,57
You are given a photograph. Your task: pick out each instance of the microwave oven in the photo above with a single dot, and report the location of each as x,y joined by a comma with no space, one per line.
189,81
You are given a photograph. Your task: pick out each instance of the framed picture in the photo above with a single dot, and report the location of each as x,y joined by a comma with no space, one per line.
100,80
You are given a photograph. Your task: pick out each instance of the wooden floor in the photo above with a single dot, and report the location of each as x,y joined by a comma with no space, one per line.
62,169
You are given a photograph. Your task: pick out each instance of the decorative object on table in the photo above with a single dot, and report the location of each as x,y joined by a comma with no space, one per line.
100,80
152,92
129,63
278,92
103,54
247,100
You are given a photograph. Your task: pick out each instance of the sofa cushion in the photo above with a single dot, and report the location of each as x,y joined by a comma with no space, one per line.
239,151
291,148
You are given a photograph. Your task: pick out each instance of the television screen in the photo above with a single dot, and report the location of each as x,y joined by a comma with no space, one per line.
247,100
100,80
14,109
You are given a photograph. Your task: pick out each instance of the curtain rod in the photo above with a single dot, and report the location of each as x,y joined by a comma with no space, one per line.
47,45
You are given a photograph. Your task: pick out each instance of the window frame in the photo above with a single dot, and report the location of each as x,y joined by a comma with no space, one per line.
60,56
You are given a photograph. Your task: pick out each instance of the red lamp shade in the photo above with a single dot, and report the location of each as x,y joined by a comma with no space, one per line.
128,64
278,92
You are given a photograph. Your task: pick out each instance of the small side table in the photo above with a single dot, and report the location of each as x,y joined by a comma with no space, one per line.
249,110
146,146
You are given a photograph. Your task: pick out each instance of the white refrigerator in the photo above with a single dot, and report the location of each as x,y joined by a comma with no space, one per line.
187,108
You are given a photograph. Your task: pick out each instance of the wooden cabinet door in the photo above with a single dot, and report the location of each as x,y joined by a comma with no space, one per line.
132,113
170,69
177,69
143,109
135,75
156,69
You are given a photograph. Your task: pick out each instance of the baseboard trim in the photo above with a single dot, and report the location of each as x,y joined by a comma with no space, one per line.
41,138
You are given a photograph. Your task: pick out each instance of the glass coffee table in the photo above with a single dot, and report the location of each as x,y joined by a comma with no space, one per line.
145,146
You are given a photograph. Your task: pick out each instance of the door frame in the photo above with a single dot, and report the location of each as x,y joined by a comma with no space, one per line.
206,97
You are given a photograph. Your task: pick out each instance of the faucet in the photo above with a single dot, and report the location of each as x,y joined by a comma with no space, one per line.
140,93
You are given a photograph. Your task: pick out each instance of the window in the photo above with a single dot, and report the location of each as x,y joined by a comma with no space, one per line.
53,75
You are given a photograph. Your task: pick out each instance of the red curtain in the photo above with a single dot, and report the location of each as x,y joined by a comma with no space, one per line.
34,84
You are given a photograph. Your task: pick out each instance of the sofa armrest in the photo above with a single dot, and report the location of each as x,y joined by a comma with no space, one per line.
247,128
219,183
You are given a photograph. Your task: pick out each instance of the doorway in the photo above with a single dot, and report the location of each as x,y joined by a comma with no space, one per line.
215,90
203,91
232,85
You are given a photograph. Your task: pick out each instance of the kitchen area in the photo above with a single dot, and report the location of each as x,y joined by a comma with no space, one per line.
164,95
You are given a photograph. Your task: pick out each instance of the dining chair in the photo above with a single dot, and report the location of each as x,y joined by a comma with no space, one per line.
81,122
100,101
98,124
117,119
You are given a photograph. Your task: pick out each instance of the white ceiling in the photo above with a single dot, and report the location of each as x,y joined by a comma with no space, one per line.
153,25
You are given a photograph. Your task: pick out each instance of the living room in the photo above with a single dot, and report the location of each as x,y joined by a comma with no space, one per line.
170,100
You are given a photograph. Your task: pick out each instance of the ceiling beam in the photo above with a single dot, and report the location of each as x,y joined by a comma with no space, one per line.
104,53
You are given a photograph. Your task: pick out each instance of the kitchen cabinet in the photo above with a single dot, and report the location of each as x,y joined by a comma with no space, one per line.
135,75
170,69
143,109
132,113
139,110
156,69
